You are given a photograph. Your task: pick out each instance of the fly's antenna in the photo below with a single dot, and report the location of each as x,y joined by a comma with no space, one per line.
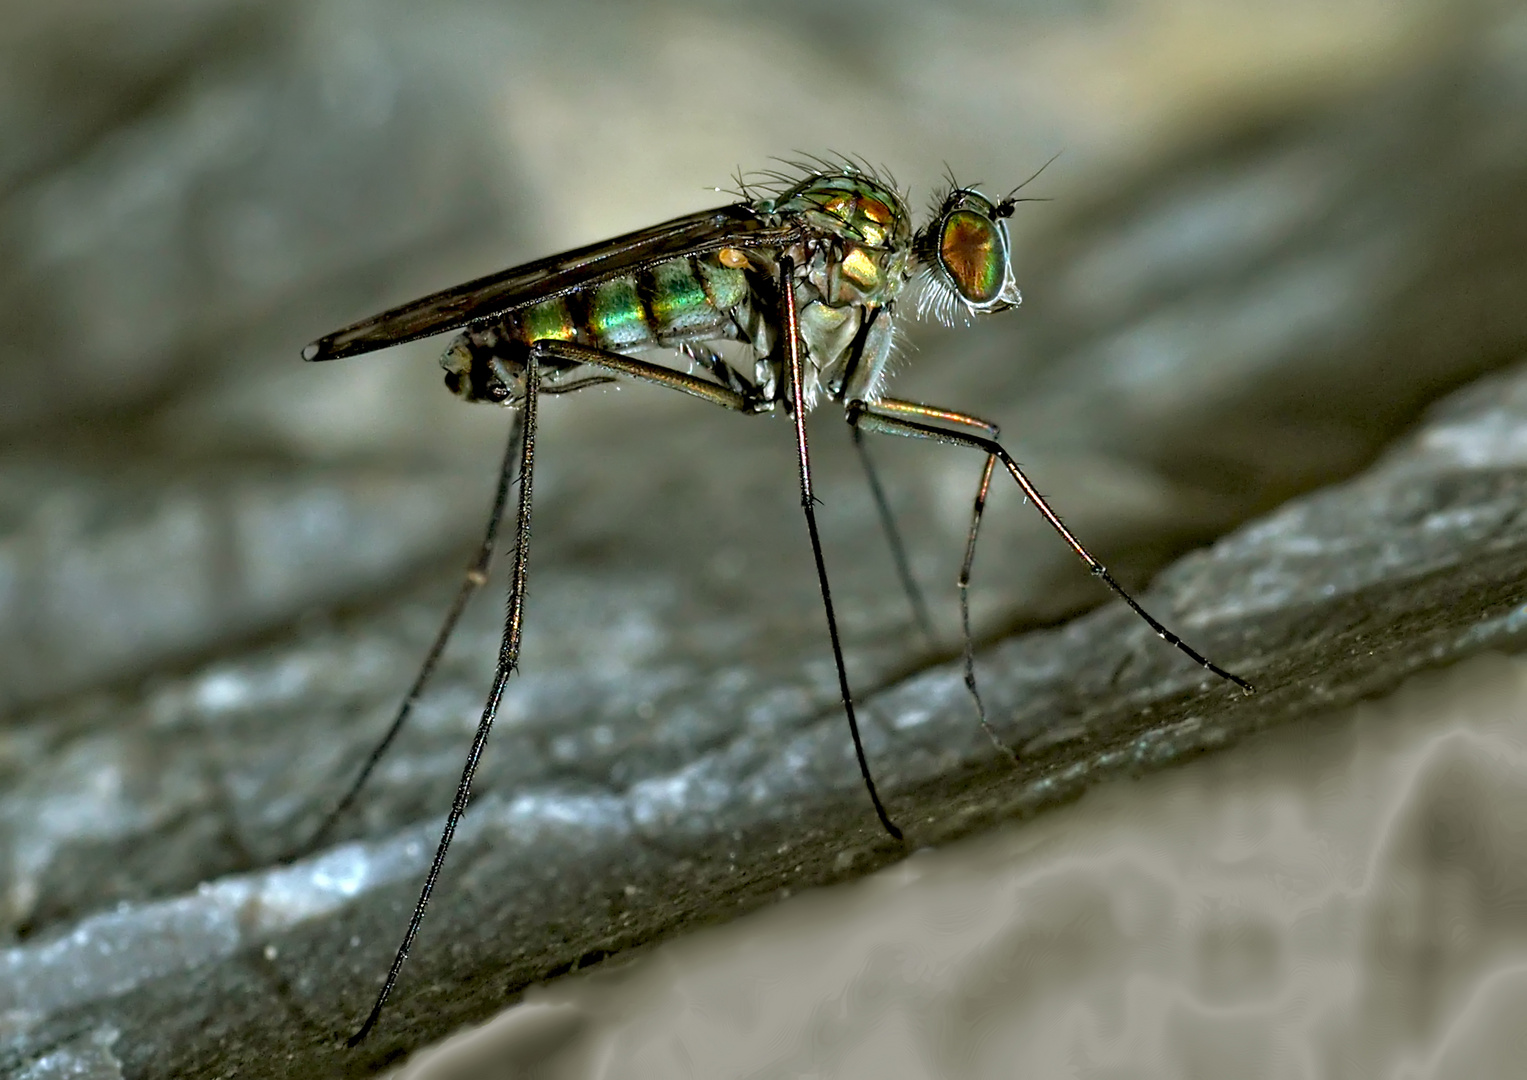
1005,207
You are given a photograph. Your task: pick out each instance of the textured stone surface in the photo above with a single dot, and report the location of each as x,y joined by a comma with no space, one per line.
1339,891
219,575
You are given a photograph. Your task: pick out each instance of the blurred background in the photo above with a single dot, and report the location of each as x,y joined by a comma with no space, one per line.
1276,232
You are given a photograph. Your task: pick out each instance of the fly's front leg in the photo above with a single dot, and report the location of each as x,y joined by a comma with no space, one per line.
928,413
895,421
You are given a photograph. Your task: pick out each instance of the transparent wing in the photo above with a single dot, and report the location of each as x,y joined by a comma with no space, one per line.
737,226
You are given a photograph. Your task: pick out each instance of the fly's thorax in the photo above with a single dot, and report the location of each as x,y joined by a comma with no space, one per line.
845,343
828,332
862,235
861,275
849,273
848,203
845,273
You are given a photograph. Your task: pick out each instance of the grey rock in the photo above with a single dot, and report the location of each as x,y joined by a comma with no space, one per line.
1239,324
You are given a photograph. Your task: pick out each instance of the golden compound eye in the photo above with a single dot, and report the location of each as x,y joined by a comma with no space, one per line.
971,250
732,258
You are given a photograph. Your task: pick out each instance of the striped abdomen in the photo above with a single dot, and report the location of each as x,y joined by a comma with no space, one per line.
688,299
694,298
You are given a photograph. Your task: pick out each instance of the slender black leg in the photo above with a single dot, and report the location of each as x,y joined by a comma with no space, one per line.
893,539
808,500
870,417
656,374
476,577
508,658
926,412
964,586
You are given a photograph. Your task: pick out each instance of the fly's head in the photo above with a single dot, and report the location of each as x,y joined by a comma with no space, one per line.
862,228
966,258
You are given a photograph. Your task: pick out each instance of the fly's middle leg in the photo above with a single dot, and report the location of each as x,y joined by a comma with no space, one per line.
791,344
893,540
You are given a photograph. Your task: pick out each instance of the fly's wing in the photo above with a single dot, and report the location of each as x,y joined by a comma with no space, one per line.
736,226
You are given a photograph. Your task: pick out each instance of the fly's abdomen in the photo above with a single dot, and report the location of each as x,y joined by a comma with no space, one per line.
550,320
677,304
616,319
690,299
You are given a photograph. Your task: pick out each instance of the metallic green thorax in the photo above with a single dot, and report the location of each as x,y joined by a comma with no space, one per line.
869,223
847,278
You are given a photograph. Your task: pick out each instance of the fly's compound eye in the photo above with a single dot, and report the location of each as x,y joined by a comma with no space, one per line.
973,254
966,260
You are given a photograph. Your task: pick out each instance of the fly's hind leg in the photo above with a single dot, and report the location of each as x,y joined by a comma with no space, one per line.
509,648
476,577
646,371
508,660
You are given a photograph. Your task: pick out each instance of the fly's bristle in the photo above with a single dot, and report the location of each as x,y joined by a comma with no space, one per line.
806,166
937,299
